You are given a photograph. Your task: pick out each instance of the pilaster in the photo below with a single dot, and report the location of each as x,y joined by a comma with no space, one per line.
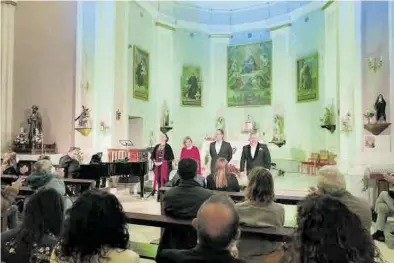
391,52
7,71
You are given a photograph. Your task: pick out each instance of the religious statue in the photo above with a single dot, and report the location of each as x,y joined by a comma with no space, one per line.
165,116
83,118
35,122
278,129
380,108
36,141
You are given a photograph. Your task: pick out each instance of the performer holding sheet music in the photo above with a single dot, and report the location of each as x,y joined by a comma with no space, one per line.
162,157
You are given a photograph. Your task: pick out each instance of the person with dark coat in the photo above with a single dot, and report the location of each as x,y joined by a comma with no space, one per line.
217,226
69,163
162,157
220,148
96,159
255,154
183,202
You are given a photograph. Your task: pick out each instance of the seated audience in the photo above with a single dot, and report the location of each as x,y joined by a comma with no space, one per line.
9,165
8,212
176,180
183,202
42,223
384,208
191,151
42,176
217,225
43,157
222,180
327,232
259,210
69,163
330,181
95,231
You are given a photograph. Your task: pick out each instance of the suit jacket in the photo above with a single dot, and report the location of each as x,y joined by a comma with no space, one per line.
225,152
70,165
198,254
262,157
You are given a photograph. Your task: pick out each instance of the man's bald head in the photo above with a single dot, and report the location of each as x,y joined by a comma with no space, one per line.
217,222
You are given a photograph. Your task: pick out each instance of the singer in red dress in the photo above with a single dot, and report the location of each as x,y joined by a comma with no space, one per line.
162,157
191,151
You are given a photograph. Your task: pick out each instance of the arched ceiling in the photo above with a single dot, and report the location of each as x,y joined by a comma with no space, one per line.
225,12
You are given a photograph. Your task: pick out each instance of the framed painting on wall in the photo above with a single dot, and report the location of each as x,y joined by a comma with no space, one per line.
141,74
249,74
308,78
191,86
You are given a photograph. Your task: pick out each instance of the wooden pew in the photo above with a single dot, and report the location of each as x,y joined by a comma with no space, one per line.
149,251
283,198
68,181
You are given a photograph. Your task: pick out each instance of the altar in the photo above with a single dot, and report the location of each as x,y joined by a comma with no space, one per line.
279,155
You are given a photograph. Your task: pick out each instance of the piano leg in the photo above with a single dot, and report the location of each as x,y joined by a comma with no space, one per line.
142,186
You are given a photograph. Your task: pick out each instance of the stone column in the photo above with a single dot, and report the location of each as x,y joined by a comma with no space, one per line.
7,71
330,56
283,83
391,46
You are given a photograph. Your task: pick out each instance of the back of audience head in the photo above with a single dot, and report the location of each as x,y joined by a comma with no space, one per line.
95,221
43,157
261,186
43,166
44,213
217,223
187,168
330,180
327,231
221,171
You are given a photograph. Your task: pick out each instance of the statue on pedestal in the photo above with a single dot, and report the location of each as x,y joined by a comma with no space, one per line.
380,108
35,122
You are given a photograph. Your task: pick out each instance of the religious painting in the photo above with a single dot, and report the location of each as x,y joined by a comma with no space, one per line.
249,74
141,74
308,78
191,86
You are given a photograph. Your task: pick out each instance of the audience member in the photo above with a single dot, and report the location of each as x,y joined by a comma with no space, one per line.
43,157
8,212
259,210
9,165
95,231
42,176
332,182
42,223
217,225
183,202
384,208
222,180
327,232
69,163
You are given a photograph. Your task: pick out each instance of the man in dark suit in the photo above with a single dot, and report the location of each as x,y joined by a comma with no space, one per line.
255,154
217,225
183,202
219,148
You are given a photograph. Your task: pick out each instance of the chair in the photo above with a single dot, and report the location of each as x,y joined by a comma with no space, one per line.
310,164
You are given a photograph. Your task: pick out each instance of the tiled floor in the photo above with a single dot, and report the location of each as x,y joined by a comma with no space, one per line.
292,181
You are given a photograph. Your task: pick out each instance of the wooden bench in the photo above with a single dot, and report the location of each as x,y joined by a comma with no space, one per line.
281,197
148,251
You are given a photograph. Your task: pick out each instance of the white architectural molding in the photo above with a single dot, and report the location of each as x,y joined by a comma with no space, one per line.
391,52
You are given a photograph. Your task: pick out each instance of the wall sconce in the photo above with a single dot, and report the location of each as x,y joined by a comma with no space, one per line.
375,63
118,115
103,127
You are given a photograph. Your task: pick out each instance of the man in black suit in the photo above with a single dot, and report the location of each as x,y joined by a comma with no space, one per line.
219,148
183,202
255,154
217,226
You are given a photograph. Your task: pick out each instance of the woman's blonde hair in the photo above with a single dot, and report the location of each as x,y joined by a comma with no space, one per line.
11,161
221,171
187,138
43,166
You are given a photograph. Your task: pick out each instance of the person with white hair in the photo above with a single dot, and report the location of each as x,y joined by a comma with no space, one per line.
384,208
330,181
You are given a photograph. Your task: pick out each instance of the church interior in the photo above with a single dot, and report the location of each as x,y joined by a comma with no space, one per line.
313,81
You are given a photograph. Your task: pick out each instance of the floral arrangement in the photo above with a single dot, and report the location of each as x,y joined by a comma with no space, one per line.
346,122
369,115
206,159
208,138
328,117
233,169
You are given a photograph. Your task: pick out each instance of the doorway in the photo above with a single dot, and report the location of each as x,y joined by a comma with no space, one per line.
135,131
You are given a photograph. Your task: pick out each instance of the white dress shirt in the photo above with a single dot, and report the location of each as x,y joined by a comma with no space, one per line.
253,150
218,145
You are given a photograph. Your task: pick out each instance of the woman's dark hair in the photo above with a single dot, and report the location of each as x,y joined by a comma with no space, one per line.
96,220
261,186
328,232
43,215
221,131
